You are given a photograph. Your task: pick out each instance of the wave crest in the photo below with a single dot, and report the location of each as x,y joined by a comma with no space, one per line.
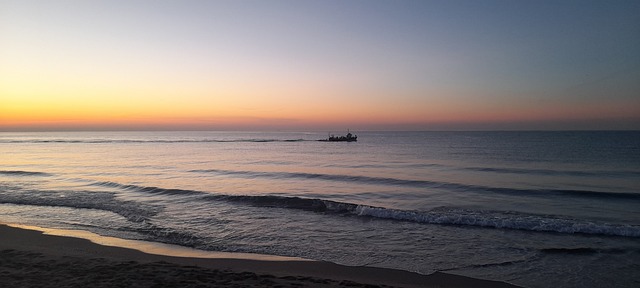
138,212
456,187
132,211
23,173
462,217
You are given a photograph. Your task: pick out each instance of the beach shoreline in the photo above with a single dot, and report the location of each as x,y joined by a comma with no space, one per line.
32,258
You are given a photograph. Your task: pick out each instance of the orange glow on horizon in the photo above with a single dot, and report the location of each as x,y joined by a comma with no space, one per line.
137,114
261,104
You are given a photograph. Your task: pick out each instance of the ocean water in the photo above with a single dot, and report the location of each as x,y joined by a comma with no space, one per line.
537,209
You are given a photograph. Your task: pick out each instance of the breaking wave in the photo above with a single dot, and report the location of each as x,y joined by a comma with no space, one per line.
147,189
442,216
132,211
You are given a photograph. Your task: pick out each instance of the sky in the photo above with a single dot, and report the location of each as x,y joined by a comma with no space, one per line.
319,65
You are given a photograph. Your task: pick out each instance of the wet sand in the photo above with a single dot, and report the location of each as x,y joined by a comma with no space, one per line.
29,258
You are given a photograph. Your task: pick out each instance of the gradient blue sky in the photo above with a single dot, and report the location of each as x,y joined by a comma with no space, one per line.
408,65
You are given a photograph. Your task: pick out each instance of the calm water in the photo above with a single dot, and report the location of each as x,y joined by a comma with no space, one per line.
538,209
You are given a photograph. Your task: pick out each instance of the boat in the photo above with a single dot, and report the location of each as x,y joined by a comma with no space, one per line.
348,138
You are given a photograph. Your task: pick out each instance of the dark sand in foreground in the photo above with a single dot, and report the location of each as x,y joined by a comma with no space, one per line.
32,259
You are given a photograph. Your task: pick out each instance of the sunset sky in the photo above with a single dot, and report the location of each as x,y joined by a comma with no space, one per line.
319,65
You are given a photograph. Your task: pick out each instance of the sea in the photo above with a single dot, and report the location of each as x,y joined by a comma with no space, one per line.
536,209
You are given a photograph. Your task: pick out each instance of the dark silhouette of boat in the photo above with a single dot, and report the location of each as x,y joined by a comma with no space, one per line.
348,138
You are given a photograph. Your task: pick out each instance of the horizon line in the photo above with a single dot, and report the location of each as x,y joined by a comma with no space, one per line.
315,130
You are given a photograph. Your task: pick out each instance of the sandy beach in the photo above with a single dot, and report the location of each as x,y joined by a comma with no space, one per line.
30,258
